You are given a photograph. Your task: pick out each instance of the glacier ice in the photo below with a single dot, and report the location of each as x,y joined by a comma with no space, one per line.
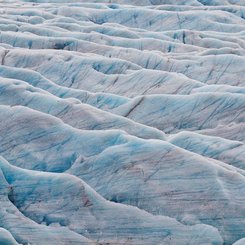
56,196
122,122
6,238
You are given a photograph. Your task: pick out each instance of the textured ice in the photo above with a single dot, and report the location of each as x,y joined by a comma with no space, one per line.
56,196
6,238
122,122
231,152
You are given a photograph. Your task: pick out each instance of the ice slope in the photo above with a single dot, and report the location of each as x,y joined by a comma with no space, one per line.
6,238
47,144
68,210
122,122
228,151
240,242
72,112
193,112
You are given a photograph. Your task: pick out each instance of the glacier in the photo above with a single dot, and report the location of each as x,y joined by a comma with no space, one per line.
122,122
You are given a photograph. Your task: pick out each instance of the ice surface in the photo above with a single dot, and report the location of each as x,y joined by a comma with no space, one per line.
240,242
6,238
62,205
122,122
